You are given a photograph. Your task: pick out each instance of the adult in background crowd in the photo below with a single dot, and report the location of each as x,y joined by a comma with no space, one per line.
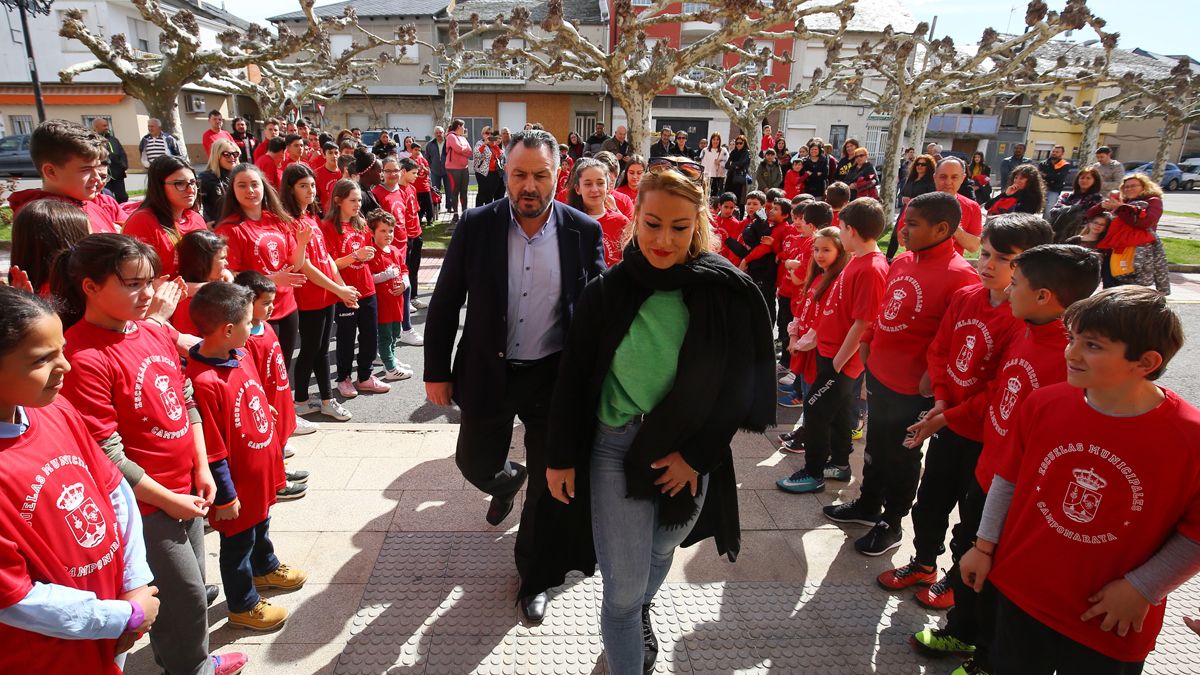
1067,214
271,129
214,180
118,161
737,168
1135,254
384,146
435,154
862,178
488,165
575,146
781,149
618,145
1054,170
815,169
595,142
979,176
458,158
156,143
245,140
902,171
1017,158
846,163
215,130
919,180
713,159
1112,172
1026,193
504,264
681,149
948,177
935,151
663,147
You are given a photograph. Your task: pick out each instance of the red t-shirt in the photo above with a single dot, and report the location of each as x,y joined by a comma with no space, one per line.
918,291
265,246
792,185
355,274
143,225
311,296
412,211
965,355
612,225
239,427
326,179
728,228
57,526
806,310
1096,497
1033,360
391,307
422,183
131,383
103,212
396,202
181,320
273,375
855,295
261,149
971,221
789,245
625,204
629,192
209,137
272,170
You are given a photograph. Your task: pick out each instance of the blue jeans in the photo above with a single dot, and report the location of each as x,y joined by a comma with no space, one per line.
246,555
633,551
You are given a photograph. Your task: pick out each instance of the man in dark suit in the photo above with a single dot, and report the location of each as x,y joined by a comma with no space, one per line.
523,261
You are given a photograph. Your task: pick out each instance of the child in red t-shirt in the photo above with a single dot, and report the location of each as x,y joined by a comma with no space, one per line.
962,360
422,185
1094,516
852,303
726,225
390,274
327,173
1045,281
827,261
70,161
396,197
244,446
785,244
589,192
167,213
797,251
80,537
410,175
203,257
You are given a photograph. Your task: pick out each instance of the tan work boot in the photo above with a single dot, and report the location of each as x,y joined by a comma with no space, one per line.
284,577
263,616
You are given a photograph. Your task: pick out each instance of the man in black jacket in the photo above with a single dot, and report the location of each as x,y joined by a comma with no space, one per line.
118,162
663,147
1054,170
523,262
595,142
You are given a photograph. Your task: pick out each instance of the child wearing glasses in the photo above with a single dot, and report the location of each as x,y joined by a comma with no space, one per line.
168,211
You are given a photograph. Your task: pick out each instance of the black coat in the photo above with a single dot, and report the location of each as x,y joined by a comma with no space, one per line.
118,161
476,265
744,386
213,189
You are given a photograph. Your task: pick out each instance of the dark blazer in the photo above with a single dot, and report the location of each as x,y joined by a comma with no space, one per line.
476,265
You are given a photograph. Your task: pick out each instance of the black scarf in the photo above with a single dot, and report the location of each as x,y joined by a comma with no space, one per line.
710,338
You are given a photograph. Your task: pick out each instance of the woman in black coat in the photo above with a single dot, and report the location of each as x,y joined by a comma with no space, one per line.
1026,193
1068,215
737,168
213,182
815,171
669,354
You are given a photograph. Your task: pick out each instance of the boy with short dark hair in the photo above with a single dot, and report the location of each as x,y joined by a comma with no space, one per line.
73,164
727,225
919,286
272,161
757,232
1046,280
837,195
963,358
327,174
1094,512
243,450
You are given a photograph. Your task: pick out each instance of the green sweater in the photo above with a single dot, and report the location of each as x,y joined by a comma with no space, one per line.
643,368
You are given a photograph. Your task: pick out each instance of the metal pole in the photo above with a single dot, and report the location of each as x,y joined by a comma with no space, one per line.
33,74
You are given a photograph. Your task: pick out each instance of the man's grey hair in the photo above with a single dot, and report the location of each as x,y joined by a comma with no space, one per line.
535,139
439,128
954,159
154,120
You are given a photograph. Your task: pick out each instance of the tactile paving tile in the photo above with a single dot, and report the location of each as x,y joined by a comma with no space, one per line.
481,555
574,610
383,654
568,655
413,554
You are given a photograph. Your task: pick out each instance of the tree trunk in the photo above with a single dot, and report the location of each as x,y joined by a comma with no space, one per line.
447,105
637,119
752,128
889,185
1171,127
1090,138
916,131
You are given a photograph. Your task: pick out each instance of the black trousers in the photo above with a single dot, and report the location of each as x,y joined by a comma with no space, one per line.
117,187
890,470
288,330
972,619
364,322
949,471
425,203
491,188
827,419
767,288
413,260
782,319
316,330
483,440
1025,646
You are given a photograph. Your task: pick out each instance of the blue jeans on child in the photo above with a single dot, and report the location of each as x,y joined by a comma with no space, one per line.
246,555
633,551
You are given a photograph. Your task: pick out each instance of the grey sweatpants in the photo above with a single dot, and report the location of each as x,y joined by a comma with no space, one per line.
175,552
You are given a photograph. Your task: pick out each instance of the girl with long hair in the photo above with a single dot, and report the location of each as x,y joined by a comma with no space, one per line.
41,231
168,212
713,158
627,183
588,192
1026,193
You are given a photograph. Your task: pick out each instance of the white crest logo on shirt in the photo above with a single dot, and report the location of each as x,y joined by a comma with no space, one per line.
1082,499
1011,391
169,398
964,355
893,307
273,253
258,414
83,517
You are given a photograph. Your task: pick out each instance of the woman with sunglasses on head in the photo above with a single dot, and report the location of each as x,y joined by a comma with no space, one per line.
214,181
639,437
168,211
737,168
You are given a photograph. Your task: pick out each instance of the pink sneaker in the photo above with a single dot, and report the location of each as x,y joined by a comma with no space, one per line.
229,664
346,388
373,385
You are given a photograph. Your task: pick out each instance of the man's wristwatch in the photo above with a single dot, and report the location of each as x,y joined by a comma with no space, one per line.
137,618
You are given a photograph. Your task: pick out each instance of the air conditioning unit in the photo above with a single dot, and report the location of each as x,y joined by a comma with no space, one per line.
195,103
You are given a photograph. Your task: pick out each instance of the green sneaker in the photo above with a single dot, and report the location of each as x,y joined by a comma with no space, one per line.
969,667
839,473
939,642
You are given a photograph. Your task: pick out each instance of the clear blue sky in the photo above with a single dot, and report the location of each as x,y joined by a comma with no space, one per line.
1163,26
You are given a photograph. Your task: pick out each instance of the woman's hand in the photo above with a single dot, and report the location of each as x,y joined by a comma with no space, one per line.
678,474
562,484
1109,203
288,277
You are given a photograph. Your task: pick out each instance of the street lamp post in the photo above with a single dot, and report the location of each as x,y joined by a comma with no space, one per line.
23,8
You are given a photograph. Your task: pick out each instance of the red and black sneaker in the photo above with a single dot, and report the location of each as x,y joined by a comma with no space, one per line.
938,596
912,574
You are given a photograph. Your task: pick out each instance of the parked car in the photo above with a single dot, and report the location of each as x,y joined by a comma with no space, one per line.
14,157
1172,175
1191,172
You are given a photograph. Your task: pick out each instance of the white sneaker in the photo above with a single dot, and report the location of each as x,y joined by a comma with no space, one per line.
304,427
346,388
404,366
312,405
411,338
788,379
419,303
396,374
336,411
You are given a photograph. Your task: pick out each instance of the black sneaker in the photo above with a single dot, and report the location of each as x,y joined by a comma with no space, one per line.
796,434
881,539
649,641
291,491
296,476
850,512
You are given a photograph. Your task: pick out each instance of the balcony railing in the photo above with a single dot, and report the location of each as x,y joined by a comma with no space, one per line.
981,125
492,73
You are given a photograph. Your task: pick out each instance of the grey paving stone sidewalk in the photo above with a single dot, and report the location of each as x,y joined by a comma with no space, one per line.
406,577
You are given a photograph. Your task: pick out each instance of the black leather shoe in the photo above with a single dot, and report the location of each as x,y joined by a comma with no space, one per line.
533,608
649,641
500,507
794,434
211,592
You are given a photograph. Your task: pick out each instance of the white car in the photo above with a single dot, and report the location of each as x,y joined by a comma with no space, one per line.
1191,173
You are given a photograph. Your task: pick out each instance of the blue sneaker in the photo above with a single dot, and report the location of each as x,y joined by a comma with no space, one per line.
839,473
789,400
800,483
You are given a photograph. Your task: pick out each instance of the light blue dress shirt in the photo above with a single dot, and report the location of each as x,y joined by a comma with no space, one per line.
535,327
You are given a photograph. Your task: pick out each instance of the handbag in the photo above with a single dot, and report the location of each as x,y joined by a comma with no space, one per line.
1122,262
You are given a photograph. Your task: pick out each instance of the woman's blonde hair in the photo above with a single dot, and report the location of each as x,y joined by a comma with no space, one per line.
1149,187
672,181
214,154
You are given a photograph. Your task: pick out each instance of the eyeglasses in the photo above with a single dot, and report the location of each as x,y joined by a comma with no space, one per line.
391,172
231,155
689,169
182,185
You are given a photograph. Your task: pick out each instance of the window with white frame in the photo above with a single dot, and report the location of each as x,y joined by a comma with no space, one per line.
139,35
408,54
21,124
